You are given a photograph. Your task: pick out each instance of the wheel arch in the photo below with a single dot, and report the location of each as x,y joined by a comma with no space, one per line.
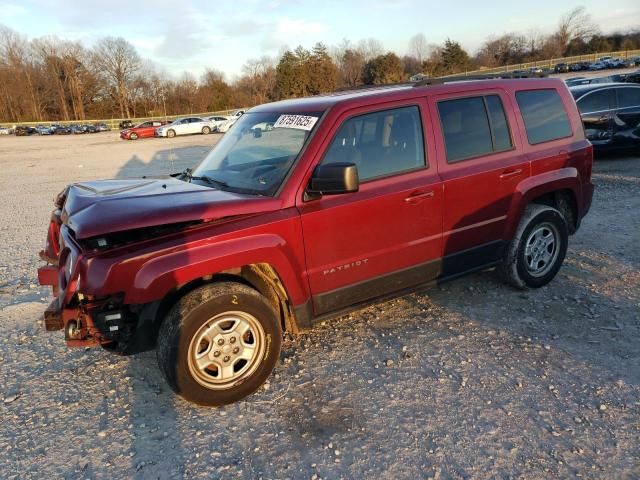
559,189
262,277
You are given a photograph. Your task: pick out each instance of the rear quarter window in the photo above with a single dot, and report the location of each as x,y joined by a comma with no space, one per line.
544,116
628,97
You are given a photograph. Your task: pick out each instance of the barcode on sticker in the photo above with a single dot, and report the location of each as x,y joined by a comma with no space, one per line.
299,122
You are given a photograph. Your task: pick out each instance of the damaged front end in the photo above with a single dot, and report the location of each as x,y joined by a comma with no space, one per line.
86,320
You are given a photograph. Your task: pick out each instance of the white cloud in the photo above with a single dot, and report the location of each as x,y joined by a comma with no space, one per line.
10,10
292,31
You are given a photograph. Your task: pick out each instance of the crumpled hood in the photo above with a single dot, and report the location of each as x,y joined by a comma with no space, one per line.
107,206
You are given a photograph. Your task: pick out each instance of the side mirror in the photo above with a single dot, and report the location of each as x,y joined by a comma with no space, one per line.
334,178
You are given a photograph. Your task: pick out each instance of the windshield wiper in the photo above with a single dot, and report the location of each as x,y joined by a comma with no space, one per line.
188,176
212,181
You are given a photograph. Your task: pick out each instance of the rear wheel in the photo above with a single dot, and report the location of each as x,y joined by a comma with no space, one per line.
206,130
219,343
171,133
538,248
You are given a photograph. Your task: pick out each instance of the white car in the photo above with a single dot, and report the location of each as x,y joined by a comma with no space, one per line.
6,131
185,126
235,115
216,121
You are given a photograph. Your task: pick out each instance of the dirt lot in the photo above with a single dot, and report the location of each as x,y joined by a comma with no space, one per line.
468,380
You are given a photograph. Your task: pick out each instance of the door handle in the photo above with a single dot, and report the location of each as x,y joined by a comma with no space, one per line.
419,196
510,173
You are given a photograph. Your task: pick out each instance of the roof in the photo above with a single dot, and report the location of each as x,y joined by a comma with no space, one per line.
373,94
579,90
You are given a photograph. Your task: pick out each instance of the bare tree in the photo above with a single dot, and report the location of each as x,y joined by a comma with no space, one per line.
574,25
370,48
119,62
19,57
418,47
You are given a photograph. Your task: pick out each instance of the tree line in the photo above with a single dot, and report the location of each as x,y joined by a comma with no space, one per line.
48,78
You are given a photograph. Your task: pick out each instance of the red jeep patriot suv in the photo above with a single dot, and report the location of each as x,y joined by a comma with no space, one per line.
307,208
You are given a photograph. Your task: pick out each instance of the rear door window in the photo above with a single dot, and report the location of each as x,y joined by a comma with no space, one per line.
473,127
544,116
628,97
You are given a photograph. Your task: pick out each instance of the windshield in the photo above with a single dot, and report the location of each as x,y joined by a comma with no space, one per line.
257,152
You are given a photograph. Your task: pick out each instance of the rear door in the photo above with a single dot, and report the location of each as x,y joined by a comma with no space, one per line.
386,236
480,161
597,110
627,118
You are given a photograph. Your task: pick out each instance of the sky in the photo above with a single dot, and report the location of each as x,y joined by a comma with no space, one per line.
191,36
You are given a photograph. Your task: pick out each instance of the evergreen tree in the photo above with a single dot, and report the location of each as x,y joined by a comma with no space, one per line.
383,69
453,58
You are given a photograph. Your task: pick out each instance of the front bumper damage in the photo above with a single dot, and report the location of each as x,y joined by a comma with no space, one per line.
86,321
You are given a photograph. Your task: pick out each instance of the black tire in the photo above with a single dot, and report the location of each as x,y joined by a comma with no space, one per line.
516,269
206,130
171,133
199,310
133,136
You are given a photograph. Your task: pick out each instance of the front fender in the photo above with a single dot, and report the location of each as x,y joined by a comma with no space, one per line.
161,274
536,186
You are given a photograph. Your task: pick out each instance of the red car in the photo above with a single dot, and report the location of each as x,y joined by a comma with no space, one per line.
345,200
142,130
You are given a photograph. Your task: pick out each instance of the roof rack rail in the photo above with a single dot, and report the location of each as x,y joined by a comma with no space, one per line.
372,87
463,78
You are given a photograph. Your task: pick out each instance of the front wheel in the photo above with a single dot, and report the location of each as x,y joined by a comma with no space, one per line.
537,249
206,130
133,136
171,133
219,343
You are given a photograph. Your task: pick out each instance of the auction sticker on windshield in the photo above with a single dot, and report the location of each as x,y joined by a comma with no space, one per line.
299,122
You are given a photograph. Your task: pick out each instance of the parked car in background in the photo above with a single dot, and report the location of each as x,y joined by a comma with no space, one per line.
339,205
216,121
233,118
615,63
43,130
102,127
610,113
561,68
61,129
599,65
185,126
589,81
76,129
536,72
23,130
125,124
633,77
142,130
90,129
6,130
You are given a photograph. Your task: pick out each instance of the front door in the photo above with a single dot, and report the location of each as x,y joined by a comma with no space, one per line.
386,236
597,112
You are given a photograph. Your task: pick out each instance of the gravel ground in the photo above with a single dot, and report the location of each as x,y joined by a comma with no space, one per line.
468,380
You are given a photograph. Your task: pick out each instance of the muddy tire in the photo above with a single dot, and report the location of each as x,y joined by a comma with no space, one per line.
219,343
171,133
537,249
